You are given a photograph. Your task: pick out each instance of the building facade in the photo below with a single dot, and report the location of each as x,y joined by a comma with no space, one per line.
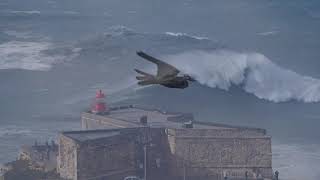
160,145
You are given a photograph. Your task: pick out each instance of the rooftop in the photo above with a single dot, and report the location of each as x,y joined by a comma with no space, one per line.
125,118
130,116
90,135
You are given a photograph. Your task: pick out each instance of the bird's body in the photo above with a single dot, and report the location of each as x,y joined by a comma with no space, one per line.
175,82
178,82
167,75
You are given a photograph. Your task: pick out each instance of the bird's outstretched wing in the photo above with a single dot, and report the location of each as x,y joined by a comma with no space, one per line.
164,69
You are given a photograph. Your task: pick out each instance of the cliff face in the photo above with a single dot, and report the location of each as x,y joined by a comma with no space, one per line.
21,170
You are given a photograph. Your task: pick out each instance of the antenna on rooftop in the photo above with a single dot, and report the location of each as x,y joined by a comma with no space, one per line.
144,120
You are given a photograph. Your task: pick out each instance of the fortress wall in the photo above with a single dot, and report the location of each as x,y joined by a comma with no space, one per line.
158,153
225,152
67,158
219,173
236,132
91,121
105,156
203,153
113,155
172,144
216,155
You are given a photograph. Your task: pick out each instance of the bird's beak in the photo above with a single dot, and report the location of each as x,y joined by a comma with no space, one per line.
191,78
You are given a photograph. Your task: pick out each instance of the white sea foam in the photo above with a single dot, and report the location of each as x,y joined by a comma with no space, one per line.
186,35
119,30
26,55
13,130
268,33
26,12
254,72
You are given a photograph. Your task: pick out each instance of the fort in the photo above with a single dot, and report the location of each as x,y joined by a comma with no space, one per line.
146,143
170,145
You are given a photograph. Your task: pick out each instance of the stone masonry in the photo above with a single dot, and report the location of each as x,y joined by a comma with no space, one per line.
177,147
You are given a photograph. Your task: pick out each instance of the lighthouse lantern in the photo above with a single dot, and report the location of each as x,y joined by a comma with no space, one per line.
99,105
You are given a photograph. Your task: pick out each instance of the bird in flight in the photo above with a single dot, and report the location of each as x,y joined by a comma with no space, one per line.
167,75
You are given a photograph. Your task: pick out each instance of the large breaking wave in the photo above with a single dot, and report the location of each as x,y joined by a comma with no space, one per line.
208,61
253,71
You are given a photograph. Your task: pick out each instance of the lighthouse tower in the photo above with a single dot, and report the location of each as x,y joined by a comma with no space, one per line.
99,104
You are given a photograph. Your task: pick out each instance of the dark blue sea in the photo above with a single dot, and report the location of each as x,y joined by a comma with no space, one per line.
256,62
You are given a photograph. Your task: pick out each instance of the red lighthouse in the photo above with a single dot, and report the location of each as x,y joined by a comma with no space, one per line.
99,105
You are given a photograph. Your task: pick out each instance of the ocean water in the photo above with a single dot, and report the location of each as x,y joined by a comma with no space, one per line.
256,63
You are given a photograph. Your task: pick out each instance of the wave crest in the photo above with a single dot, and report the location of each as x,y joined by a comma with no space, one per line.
186,35
120,31
254,72
124,31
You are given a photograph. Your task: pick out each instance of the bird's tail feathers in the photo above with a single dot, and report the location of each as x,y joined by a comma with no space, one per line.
146,79
143,73
145,83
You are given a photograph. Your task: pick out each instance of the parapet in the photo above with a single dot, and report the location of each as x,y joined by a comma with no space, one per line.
130,117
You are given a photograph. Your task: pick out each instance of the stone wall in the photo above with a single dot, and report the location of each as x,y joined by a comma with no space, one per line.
213,156
197,153
110,156
158,151
67,158
219,132
105,157
91,121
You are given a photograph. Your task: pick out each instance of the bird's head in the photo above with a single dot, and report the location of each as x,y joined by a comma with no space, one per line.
188,78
